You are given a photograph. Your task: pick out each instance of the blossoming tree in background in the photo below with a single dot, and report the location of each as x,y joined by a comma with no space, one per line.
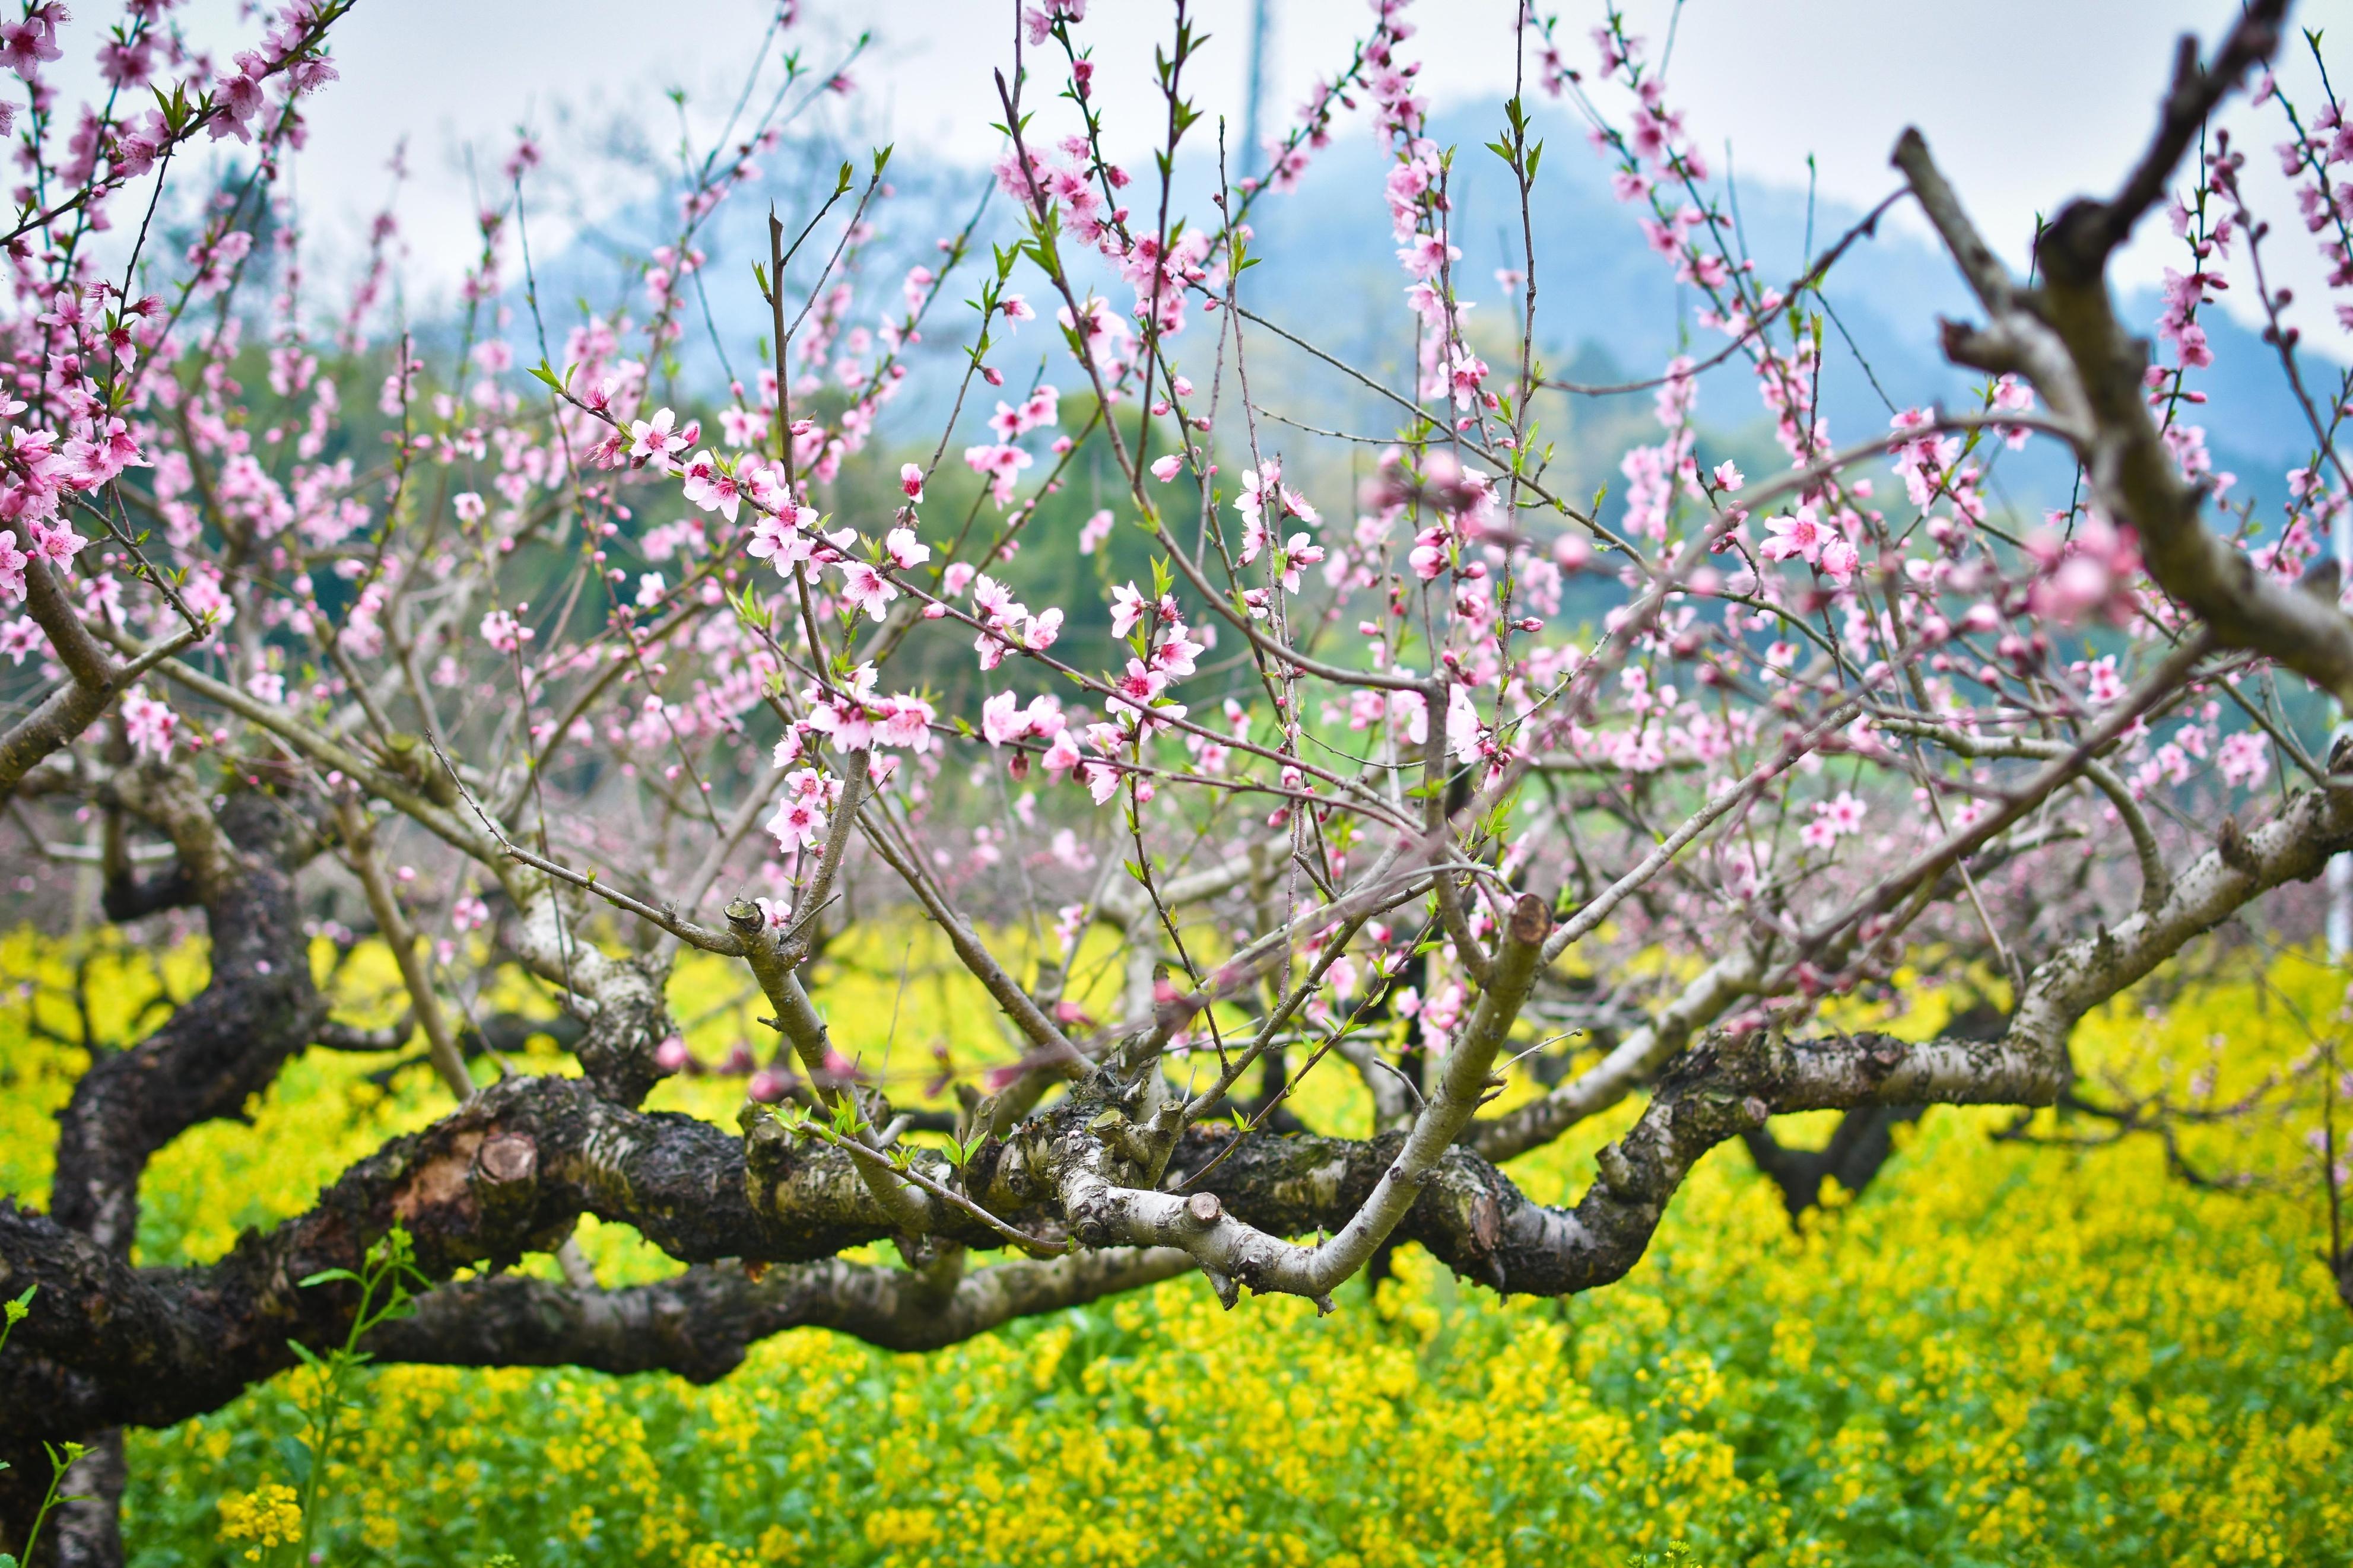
548,672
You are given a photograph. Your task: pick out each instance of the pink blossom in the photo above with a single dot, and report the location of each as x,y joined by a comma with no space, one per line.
1800,535
1426,255
2244,758
906,724
866,587
774,539
712,487
797,823
1840,560
148,724
1301,551
1844,814
1001,719
1061,755
1427,557
1174,655
20,636
996,602
1040,631
1101,780
503,631
55,544
1128,606
1001,463
2103,682
653,440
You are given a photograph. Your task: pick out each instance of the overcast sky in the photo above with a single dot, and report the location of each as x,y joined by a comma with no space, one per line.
2026,102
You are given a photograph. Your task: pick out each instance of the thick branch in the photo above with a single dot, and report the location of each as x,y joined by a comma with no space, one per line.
94,677
2065,338
222,1046
700,1323
508,1173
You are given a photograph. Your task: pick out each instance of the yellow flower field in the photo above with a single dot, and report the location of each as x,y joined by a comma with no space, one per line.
2000,1353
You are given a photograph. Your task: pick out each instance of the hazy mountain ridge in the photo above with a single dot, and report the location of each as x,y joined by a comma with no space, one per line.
1608,307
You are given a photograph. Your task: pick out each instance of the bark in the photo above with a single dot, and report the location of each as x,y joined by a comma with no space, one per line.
88,1523
224,1045
700,1323
512,1170
1864,1140
1859,1146
108,1344
216,1051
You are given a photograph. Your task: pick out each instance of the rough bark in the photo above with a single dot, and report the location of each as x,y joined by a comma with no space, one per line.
700,1323
1864,1140
109,1343
512,1170
224,1045
216,1050
1858,1147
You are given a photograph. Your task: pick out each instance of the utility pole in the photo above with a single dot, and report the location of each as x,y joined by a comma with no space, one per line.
1257,86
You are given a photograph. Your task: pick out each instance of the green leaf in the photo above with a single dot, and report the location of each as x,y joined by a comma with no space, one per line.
845,1116
324,1275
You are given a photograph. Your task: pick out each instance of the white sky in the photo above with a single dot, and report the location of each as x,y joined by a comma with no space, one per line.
2026,102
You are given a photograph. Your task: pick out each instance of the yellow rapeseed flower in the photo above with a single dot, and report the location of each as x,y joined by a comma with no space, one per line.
268,1516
